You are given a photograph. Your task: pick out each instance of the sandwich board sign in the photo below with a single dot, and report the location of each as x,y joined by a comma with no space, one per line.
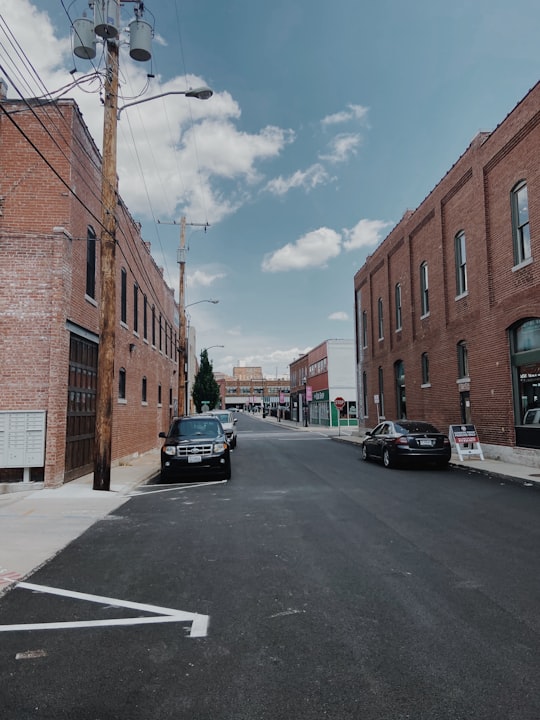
465,440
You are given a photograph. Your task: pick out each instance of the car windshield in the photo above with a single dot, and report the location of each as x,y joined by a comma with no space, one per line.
223,417
189,428
410,426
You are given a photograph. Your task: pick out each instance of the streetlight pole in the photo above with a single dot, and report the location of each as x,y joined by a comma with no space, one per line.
108,30
107,312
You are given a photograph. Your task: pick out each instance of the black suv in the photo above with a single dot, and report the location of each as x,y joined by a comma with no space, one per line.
195,445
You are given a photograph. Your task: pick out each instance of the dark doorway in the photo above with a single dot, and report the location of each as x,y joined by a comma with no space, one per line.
81,407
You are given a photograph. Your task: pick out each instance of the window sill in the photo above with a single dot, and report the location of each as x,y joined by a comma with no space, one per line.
425,385
461,295
122,401
522,264
90,300
124,325
424,316
466,379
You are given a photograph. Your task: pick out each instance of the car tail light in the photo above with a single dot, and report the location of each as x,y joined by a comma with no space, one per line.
401,440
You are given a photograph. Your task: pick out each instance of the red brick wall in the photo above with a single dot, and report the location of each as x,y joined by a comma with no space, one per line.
473,197
50,190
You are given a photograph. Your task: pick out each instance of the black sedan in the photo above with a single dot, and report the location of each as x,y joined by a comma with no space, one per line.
195,446
407,440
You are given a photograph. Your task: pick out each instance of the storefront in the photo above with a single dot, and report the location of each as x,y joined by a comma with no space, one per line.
525,356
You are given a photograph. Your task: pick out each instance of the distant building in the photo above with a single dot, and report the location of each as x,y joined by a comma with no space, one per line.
448,306
50,215
247,373
321,376
251,391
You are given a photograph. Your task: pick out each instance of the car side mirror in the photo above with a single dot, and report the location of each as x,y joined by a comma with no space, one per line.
368,432
235,421
162,434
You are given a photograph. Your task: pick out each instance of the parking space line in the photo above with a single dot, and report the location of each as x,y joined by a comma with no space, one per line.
199,623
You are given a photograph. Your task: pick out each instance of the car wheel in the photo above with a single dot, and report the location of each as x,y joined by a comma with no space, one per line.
387,460
365,455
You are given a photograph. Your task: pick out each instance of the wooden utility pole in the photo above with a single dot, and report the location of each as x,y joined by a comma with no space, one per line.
182,321
107,314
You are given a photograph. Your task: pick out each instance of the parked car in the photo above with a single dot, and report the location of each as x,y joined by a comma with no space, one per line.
228,421
407,441
196,445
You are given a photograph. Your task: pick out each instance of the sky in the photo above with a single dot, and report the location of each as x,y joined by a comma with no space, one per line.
328,121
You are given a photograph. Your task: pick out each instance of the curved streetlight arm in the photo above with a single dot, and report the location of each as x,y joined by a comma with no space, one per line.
201,93
214,302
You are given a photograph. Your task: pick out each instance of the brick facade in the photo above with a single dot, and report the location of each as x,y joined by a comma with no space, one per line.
475,198
50,191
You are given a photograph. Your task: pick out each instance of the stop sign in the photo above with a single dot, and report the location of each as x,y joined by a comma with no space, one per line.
339,402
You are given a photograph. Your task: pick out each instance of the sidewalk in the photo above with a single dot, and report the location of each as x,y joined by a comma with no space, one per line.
36,524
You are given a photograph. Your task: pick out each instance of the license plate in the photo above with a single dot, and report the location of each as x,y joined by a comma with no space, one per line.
194,458
426,443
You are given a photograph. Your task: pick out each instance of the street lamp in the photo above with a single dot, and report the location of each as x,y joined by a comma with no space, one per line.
183,361
305,408
108,28
201,93
213,346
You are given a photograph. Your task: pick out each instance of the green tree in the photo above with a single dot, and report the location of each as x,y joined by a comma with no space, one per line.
205,387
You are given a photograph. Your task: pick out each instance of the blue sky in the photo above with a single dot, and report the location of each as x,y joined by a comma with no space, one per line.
328,122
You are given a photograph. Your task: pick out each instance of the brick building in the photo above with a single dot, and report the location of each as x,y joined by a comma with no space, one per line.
320,376
248,389
448,306
50,210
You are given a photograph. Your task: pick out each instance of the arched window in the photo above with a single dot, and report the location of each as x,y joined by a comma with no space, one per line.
381,392
122,384
398,306
520,223
425,369
424,289
461,263
462,359
144,390
380,317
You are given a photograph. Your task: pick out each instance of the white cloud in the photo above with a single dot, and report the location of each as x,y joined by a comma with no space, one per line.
366,233
354,112
310,251
342,147
307,179
200,278
340,315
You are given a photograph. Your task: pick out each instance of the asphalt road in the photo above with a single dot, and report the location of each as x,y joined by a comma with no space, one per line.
312,585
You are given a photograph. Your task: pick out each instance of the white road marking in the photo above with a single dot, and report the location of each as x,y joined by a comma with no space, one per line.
175,486
199,623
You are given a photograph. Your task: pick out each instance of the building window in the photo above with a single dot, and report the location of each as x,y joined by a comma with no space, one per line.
364,329
145,318
144,390
364,393
122,384
425,369
381,393
424,289
401,404
136,308
159,394
154,325
520,223
380,318
398,306
160,332
461,263
463,360
91,262
123,296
